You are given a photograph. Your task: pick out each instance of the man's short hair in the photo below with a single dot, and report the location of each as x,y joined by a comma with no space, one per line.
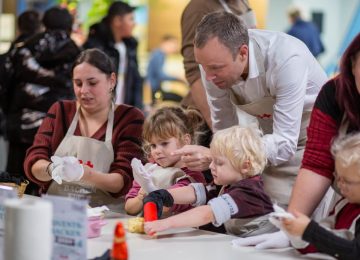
230,30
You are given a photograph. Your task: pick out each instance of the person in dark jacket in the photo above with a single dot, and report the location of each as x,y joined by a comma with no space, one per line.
40,70
113,35
305,31
29,24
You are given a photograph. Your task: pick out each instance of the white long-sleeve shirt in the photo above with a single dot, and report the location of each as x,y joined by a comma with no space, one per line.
282,66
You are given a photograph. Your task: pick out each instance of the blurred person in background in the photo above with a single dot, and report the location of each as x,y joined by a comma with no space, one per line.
155,70
28,23
305,31
40,70
113,35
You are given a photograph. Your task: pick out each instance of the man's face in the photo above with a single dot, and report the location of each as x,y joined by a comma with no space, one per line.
219,64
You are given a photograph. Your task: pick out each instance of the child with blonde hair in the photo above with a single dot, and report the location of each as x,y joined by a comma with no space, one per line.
164,131
338,234
238,158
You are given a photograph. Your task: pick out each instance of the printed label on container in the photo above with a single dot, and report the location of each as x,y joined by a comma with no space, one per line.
69,228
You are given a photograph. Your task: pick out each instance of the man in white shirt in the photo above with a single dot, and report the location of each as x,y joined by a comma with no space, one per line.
257,76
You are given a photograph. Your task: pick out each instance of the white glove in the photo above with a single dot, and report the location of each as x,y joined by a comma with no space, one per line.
276,216
264,241
66,168
143,176
97,211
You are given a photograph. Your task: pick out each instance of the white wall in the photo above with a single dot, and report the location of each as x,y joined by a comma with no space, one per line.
337,16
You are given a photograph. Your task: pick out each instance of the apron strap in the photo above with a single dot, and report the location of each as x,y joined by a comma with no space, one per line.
110,124
343,126
260,59
73,124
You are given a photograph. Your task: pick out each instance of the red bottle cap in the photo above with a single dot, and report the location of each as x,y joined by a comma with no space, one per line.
150,211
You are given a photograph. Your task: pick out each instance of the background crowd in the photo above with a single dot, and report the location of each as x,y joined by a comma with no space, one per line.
258,124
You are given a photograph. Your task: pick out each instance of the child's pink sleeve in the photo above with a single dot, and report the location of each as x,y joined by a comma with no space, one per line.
134,190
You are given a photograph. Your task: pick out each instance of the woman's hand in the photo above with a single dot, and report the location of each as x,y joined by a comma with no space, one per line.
297,226
66,168
152,227
195,157
87,173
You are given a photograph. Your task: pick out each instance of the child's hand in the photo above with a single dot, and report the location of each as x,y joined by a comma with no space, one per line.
152,227
141,194
297,226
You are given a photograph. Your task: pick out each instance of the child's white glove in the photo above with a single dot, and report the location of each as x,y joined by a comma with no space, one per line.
66,168
264,241
275,218
143,176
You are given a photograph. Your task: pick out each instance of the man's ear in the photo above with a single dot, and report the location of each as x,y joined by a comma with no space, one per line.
243,52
